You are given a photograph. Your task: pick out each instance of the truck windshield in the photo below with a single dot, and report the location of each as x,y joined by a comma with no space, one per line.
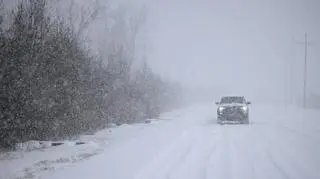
232,100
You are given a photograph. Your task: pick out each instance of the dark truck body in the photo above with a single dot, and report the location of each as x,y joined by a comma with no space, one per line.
233,109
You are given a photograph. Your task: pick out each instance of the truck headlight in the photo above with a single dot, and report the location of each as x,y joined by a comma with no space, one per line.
220,109
244,108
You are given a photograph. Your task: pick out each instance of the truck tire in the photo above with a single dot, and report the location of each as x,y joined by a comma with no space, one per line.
246,121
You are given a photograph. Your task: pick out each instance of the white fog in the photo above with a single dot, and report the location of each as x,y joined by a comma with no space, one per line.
233,47
166,89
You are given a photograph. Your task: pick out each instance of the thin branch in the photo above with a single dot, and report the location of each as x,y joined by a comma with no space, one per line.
88,17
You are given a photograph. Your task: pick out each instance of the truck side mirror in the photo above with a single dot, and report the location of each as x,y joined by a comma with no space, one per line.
248,102
217,103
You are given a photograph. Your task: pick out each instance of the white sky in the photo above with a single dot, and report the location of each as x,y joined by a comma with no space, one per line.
240,46
231,46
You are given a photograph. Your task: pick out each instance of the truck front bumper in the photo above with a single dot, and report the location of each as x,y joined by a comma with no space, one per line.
233,118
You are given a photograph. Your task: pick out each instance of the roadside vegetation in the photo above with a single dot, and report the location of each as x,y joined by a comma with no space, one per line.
53,86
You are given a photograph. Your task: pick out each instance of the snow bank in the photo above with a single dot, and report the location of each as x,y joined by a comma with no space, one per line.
28,146
33,158
279,143
27,161
36,145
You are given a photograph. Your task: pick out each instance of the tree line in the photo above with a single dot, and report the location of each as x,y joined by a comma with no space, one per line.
53,87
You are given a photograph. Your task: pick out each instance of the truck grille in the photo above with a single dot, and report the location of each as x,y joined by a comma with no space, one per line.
231,110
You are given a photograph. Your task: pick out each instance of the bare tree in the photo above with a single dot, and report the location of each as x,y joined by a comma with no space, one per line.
2,40
137,21
81,17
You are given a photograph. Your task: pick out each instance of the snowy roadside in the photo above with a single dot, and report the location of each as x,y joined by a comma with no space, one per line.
183,140
291,118
34,157
192,146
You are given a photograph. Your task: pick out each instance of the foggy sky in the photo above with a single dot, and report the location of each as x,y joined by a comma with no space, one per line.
229,46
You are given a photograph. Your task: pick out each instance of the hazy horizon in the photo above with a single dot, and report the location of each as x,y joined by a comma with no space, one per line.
243,47
229,47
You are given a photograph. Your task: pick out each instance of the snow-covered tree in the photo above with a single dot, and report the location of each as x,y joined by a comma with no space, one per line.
51,87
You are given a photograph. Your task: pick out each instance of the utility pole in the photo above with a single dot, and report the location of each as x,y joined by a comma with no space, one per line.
306,43
305,70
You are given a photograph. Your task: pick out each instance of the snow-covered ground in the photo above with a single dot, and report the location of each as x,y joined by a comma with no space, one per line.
280,143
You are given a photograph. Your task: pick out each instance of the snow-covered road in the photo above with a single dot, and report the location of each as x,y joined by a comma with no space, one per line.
278,144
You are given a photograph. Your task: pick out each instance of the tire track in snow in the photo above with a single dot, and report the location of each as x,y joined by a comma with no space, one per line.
220,160
300,144
240,151
282,174
285,163
248,157
179,161
297,140
170,157
296,132
292,142
185,158
210,158
242,144
195,163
